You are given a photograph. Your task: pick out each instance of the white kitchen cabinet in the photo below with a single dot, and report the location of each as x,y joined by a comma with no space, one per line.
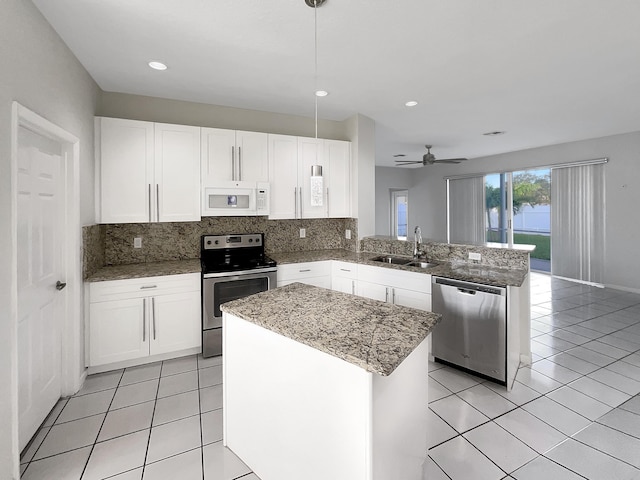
230,155
147,172
409,289
290,162
283,176
337,158
139,318
311,273
344,276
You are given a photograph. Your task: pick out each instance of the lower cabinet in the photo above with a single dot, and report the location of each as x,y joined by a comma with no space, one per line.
131,319
317,274
395,295
390,285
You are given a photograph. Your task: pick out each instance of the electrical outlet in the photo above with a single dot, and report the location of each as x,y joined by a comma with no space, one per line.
347,234
475,256
303,232
137,242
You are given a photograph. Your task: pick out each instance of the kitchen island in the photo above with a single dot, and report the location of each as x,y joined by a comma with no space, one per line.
321,384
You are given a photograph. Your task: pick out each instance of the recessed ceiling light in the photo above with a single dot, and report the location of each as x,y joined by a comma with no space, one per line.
157,65
321,93
411,103
493,134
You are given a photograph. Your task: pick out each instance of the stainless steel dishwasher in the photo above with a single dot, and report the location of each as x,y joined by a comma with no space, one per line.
473,331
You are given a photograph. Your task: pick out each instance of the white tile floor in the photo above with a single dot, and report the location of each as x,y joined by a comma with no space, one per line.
573,414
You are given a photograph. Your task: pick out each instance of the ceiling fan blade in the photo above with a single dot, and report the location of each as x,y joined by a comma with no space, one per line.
451,160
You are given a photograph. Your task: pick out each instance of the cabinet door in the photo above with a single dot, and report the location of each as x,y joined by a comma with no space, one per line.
252,156
175,322
177,173
124,149
313,203
118,331
374,291
344,285
409,298
218,155
338,158
283,176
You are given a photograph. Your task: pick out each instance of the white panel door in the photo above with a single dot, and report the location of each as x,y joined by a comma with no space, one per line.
311,152
252,154
218,155
283,176
175,322
343,284
119,330
338,159
177,173
126,170
40,304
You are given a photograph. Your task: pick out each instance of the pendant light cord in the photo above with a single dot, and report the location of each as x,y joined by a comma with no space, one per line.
315,48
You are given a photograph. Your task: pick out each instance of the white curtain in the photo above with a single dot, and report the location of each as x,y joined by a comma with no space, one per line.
466,210
578,222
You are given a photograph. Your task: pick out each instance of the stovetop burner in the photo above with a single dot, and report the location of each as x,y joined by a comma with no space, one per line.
236,252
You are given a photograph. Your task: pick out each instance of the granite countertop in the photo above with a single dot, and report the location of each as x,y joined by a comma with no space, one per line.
150,269
478,273
373,335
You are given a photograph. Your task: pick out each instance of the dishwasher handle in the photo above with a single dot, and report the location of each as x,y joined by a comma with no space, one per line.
468,287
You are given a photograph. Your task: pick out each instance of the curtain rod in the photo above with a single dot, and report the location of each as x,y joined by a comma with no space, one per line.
580,163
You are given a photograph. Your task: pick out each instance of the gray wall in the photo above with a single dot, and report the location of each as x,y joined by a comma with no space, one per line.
622,184
387,179
38,71
152,109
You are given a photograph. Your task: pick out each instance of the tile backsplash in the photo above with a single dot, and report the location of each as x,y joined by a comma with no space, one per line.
112,244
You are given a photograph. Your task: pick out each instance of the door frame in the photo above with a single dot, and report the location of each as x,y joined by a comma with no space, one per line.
72,336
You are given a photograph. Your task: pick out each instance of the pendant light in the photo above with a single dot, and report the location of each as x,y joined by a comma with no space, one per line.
317,184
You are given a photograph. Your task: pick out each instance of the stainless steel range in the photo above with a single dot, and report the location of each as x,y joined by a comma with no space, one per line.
233,266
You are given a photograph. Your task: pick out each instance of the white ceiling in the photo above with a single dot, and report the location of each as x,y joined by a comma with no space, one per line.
545,71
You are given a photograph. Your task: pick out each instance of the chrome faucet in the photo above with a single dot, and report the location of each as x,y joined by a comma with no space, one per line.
417,240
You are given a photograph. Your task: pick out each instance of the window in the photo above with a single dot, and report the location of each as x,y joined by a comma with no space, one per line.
399,213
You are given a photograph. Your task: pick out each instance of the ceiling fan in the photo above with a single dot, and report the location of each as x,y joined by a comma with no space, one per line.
429,159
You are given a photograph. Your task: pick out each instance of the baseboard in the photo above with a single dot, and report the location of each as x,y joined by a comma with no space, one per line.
142,361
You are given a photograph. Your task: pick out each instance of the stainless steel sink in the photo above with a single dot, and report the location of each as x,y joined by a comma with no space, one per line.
421,264
392,260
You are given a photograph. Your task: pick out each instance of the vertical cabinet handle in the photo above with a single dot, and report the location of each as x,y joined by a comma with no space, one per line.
386,298
327,201
149,203
239,163
295,201
301,212
144,320
158,201
353,287
393,296
233,163
153,315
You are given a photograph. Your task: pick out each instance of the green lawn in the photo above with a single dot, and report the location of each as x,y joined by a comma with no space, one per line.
542,243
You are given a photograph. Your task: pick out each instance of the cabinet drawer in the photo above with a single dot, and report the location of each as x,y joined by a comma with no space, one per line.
295,271
143,287
344,269
418,282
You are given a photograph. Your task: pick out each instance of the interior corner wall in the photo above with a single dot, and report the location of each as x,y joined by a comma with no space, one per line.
622,196
41,73
388,179
162,110
362,134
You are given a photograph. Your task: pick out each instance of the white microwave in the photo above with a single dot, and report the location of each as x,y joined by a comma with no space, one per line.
234,199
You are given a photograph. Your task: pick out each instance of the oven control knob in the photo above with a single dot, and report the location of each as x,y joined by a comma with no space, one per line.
251,240
208,242
217,242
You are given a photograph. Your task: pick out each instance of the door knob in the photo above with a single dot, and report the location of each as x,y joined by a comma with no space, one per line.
60,285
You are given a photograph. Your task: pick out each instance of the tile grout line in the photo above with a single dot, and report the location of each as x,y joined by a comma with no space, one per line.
200,418
155,404
101,425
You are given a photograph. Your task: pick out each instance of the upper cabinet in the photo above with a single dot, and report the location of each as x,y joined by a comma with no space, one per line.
147,172
230,155
299,192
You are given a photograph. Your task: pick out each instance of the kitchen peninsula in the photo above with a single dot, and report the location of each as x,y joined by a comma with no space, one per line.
321,384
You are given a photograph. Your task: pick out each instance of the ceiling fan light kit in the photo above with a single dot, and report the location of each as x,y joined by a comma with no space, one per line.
429,159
